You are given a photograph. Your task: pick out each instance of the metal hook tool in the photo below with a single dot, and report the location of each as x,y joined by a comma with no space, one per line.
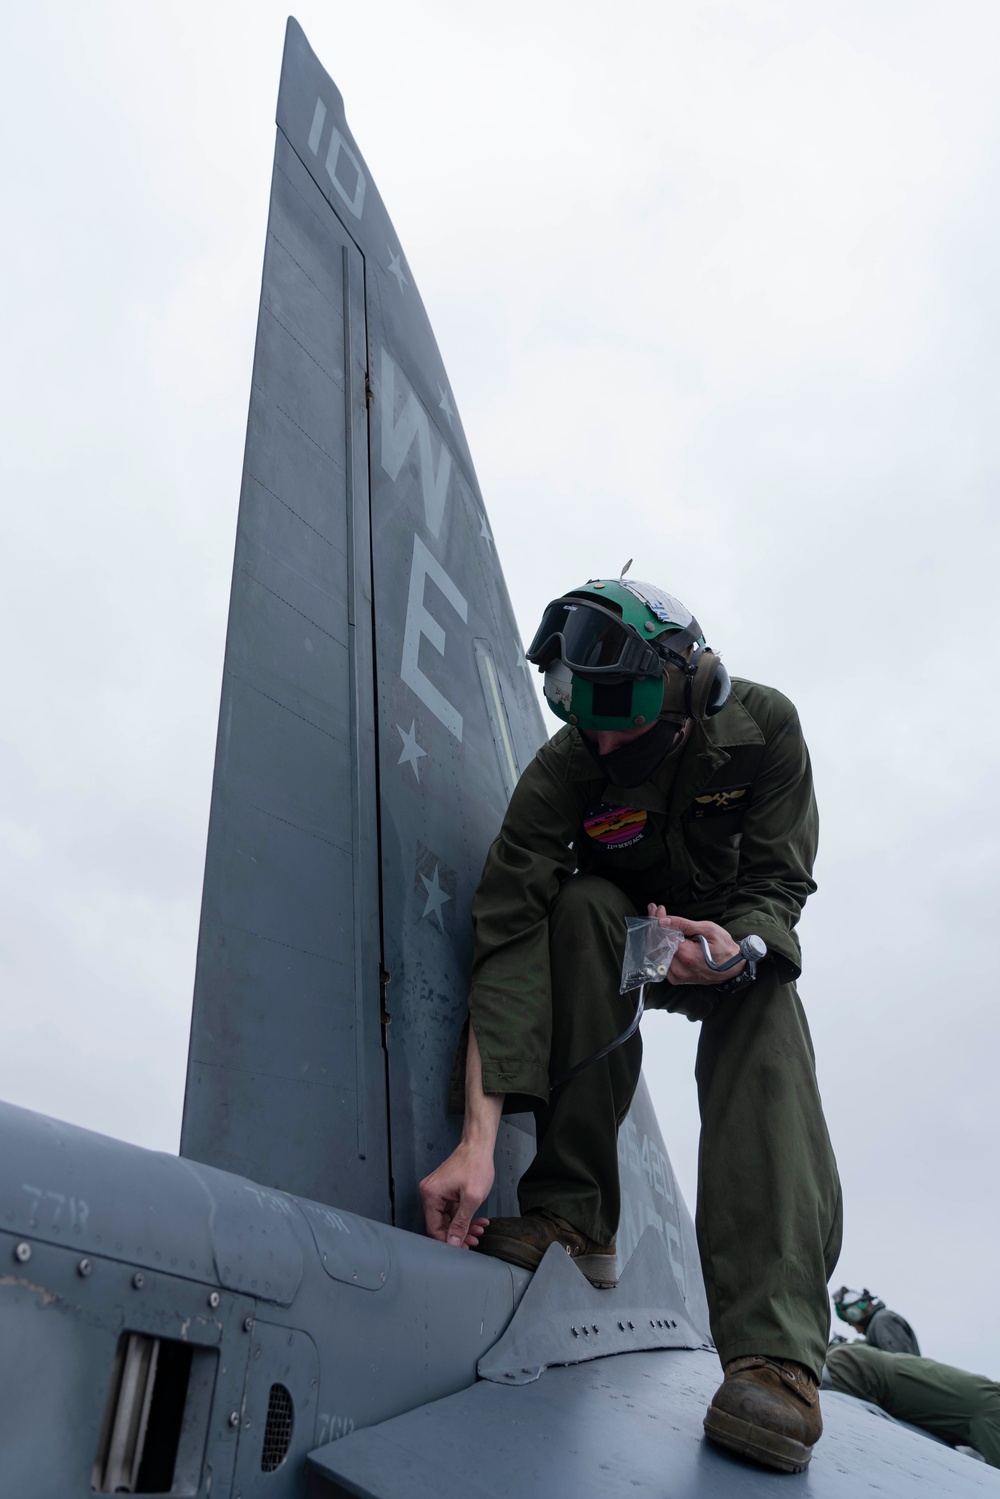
751,950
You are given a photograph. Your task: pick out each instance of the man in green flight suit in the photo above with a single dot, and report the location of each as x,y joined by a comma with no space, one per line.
878,1325
958,1407
675,794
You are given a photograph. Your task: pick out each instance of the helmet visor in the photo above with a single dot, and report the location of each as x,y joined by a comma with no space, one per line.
591,641
851,1305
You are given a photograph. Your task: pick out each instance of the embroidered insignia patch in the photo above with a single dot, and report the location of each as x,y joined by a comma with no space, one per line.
615,827
725,799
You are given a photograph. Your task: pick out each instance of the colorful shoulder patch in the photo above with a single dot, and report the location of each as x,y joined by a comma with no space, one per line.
724,799
615,827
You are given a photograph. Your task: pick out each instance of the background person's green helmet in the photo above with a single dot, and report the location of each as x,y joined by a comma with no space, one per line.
619,654
855,1307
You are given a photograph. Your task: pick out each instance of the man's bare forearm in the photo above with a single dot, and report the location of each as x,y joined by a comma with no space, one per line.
482,1110
460,1184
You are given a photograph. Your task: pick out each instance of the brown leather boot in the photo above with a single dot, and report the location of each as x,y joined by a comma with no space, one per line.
767,1409
523,1241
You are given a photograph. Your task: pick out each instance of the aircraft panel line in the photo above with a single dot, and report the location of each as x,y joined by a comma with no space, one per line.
297,263
245,682
343,848
333,379
266,396
307,952
301,161
360,718
336,1085
281,600
291,509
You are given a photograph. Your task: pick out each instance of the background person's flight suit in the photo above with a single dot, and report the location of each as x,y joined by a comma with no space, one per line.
952,1404
891,1332
725,830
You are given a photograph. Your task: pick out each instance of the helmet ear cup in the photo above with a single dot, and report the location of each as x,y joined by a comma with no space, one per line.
709,685
698,689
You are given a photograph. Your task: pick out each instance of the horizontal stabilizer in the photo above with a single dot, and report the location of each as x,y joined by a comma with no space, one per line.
619,1427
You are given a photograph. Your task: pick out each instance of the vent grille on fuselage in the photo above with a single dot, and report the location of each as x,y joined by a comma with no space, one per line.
278,1430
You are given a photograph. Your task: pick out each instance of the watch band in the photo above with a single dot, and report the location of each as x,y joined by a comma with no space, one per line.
740,982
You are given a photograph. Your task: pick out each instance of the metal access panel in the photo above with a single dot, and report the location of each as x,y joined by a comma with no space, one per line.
114,1379
279,1414
286,1076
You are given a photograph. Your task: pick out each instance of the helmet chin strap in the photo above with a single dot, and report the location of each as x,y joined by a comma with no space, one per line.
636,760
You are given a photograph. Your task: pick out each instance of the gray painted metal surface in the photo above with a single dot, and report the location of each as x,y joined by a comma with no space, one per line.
98,1240
625,1426
563,1319
376,712
202,1325
286,1049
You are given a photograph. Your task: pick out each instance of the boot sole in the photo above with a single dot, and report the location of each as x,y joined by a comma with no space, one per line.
515,1252
767,1447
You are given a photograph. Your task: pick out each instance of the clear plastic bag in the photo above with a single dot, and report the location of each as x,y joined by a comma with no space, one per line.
649,948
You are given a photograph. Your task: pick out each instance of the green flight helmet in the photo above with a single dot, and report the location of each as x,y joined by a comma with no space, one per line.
855,1307
620,654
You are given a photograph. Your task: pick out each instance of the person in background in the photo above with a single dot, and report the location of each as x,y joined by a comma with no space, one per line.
877,1324
962,1409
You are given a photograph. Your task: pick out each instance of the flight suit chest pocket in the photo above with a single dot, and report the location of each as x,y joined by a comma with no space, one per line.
712,851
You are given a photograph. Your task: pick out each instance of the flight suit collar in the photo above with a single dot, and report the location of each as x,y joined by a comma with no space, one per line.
680,779
733,727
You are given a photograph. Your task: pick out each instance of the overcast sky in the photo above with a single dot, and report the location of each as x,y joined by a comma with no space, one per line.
716,287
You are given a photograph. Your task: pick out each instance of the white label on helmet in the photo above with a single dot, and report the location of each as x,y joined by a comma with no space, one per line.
558,685
668,610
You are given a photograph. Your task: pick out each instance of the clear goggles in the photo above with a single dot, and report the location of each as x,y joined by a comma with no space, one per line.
592,641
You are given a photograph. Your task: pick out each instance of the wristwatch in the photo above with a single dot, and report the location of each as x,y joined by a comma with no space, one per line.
739,983
752,950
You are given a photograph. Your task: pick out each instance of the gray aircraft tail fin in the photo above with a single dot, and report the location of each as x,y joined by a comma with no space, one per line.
376,713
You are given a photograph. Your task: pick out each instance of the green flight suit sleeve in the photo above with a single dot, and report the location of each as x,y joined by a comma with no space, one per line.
892,1333
777,849
510,999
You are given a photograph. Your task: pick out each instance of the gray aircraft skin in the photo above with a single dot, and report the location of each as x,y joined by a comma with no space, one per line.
262,1315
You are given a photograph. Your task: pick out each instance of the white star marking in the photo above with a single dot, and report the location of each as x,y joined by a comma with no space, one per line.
436,897
445,405
524,664
484,530
412,752
395,269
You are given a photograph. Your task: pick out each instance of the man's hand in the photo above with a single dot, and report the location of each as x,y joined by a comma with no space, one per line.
452,1193
688,965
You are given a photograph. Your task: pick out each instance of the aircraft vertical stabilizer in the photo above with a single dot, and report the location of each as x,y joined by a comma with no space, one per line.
377,711
286,1075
